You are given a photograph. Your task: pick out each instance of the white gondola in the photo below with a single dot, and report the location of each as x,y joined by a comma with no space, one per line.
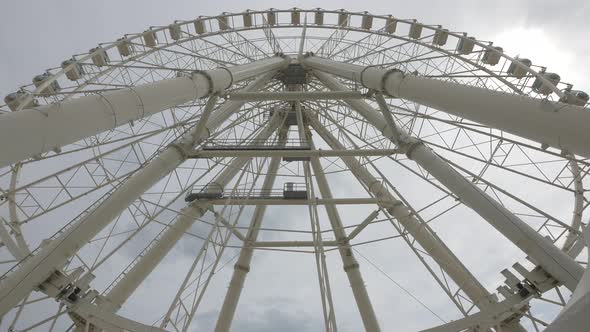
15,99
271,17
343,18
76,70
52,88
319,17
390,24
247,19
575,97
367,21
543,87
415,30
175,31
199,26
99,56
223,22
492,55
519,71
124,46
465,45
440,37
150,38
295,17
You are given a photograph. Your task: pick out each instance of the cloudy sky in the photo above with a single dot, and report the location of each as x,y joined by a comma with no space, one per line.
35,35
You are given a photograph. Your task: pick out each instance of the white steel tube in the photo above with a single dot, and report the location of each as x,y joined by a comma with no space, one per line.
292,201
351,265
423,235
154,255
242,266
295,95
133,278
39,267
292,153
34,131
550,258
559,125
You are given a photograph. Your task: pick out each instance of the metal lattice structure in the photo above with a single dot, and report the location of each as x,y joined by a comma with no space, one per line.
188,133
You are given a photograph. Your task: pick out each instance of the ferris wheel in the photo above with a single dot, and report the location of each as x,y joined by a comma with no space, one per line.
141,181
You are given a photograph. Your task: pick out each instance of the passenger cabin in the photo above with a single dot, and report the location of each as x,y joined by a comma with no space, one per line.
295,17
319,17
440,37
390,24
519,71
367,21
546,88
415,30
576,97
271,17
465,45
343,18
199,26
222,21
99,56
175,31
150,39
124,47
75,70
15,99
52,88
492,55
247,19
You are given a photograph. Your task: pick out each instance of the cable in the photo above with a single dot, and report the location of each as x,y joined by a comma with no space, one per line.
400,286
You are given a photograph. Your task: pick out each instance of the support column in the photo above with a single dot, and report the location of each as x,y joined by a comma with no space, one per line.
559,125
30,132
36,269
351,265
133,278
549,257
242,266
421,232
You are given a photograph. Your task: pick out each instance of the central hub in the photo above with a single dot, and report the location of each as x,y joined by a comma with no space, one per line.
294,74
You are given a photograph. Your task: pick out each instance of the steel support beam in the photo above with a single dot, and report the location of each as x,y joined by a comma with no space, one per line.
291,201
559,125
31,132
351,265
279,244
574,316
421,232
37,268
550,258
154,255
291,153
295,95
242,266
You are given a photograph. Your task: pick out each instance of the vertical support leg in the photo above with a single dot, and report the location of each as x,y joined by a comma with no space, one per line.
242,266
34,270
550,258
351,265
154,255
420,231
320,256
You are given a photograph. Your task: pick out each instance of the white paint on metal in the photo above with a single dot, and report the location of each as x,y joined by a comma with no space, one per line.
34,131
559,125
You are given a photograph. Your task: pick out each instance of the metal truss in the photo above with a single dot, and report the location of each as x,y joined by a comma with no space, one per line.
191,131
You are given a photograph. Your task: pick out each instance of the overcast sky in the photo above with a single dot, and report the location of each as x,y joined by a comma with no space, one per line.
35,35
